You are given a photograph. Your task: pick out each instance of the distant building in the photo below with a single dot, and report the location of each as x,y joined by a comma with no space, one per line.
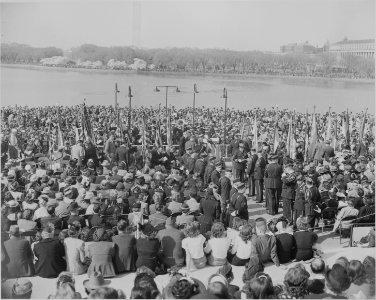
364,48
305,48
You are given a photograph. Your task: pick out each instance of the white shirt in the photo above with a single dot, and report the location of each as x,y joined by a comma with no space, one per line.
195,246
193,204
218,246
40,213
243,250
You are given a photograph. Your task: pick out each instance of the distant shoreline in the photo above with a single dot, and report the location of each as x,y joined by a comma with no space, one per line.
198,74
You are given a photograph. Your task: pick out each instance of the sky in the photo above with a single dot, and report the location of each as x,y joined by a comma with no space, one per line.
237,25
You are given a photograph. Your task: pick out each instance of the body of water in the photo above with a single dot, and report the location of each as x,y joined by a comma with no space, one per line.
38,86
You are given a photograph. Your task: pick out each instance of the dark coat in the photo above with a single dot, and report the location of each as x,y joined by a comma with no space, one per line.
50,253
260,165
147,251
200,167
20,263
273,173
240,155
304,242
211,210
207,175
312,197
252,164
328,152
238,202
360,149
285,247
288,186
121,154
125,252
215,176
102,254
225,189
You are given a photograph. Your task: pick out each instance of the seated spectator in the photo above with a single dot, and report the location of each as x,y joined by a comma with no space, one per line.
158,218
106,293
176,202
243,247
42,210
368,209
25,223
19,262
95,281
101,253
234,230
66,290
345,212
337,281
285,243
73,210
226,271
125,248
369,266
295,283
359,288
49,253
259,287
22,289
194,246
304,239
217,246
316,284
170,240
183,288
74,251
95,220
186,216
147,247
265,245
52,219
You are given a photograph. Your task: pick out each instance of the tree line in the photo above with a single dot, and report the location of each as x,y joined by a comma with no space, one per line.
205,60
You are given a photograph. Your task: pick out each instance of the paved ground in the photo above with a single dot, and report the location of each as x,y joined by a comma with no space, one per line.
330,244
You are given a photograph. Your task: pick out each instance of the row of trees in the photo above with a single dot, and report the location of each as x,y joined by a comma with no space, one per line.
206,60
24,54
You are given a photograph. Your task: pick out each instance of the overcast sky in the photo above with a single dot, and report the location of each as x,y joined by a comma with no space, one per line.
238,25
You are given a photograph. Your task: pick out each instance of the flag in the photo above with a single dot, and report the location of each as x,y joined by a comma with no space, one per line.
313,141
334,140
291,140
361,133
328,134
169,135
276,134
254,132
346,128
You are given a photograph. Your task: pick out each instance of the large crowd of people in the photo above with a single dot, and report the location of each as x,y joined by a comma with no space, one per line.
107,204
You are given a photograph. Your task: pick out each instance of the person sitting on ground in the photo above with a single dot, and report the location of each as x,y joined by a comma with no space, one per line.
147,246
259,287
305,240
106,293
265,245
226,271
286,244
359,288
75,251
185,217
22,289
125,248
337,281
234,230
194,246
217,246
243,247
295,283
171,244
316,284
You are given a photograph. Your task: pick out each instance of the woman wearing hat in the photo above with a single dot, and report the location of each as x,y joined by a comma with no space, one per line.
101,253
147,247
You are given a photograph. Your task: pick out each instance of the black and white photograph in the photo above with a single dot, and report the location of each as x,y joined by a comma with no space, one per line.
186,149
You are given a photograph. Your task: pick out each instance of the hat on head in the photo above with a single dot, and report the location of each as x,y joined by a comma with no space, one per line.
21,287
240,186
218,164
11,177
185,207
46,191
45,178
67,191
170,221
12,203
159,190
73,206
105,163
95,281
136,205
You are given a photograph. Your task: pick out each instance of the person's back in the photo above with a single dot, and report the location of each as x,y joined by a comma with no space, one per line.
171,244
49,253
285,247
20,257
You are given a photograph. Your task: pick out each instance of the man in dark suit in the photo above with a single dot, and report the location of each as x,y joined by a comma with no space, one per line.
125,249
251,172
200,165
122,154
238,205
53,219
95,220
20,262
211,210
259,176
328,151
216,174
288,191
208,170
156,156
273,184
239,159
234,145
182,142
312,197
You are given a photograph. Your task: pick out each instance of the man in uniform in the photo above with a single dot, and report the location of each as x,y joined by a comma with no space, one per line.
225,188
288,191
273,184
216,174
239,160
208,170
251,172
234,145
259,176
200,165
238,205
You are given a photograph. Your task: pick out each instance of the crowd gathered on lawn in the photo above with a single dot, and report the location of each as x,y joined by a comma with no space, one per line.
100,191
